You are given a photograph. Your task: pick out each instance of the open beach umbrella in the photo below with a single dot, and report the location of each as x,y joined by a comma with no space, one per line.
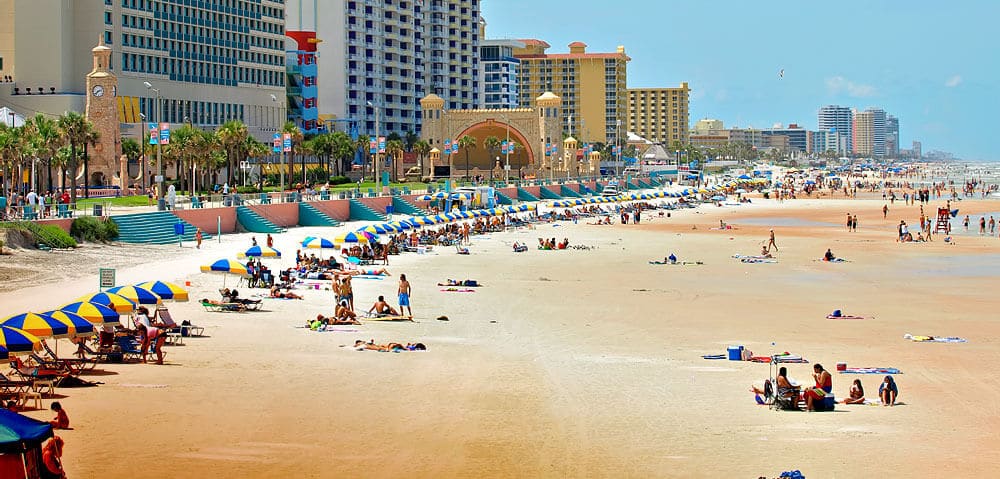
111,300
400,225
166,291
423,220
226,267
16,341
375,229
38,325
260,252
137,295
79,326
97,314
425,198
440,195
352,237
461,196
317,243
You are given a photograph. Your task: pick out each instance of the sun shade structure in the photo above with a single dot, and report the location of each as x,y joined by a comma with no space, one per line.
38,325
166,291
317,243
97,314
19,433
111,300
137,295
14,341
78,325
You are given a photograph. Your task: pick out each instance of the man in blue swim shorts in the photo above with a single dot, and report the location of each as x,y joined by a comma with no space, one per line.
404,295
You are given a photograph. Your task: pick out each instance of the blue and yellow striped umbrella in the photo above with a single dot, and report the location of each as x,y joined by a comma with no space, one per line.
350,237
111,300
317,243
441,219
79,326
378,229
97,314
166,290
461,196
228,266
424,220
440,195
15,341
260,252
38,325
137,295
400,225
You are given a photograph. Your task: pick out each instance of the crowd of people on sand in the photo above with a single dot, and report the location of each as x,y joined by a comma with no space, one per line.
812,398
550,244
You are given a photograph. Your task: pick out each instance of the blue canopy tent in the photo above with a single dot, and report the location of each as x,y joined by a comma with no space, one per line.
21,443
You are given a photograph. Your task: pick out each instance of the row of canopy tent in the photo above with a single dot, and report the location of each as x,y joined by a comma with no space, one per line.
22,333
653,195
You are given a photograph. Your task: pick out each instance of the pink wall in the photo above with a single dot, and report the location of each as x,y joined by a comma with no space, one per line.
339,210
535,190
207,219
573,186
511,192
281,214
62,223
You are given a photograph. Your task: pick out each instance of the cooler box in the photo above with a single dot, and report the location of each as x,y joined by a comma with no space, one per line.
841,366
735,352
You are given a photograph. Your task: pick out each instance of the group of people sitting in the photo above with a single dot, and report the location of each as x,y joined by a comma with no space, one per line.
550,244
813,397
233,296
343,314
370,345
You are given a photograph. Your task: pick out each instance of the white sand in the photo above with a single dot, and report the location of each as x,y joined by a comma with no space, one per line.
567,363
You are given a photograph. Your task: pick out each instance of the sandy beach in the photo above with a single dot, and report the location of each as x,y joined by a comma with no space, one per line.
575,363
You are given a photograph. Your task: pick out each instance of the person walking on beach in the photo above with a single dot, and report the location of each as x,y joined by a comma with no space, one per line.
854,224
771,243
965,222
850,222
885,211
993,225
253,241
404,295
270,241
982,225
197,238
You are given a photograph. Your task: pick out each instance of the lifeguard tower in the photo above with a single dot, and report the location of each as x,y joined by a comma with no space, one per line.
943,224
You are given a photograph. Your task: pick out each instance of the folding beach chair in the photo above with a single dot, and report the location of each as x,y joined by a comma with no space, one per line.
83,364
130,347
175,334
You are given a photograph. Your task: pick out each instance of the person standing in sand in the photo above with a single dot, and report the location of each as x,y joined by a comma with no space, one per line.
854,224
850,222
404,295
885,210
197,238
771,243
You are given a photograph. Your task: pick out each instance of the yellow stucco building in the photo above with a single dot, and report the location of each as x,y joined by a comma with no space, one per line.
659,115
592,87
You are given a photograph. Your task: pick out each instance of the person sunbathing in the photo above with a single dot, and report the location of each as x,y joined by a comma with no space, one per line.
765,253
382,308
469,283
276,293
361,345
239,306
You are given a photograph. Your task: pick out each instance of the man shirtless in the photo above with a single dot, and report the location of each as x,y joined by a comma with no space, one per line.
382,308
404,294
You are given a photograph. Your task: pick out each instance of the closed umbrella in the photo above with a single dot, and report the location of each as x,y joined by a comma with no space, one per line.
166,291
111,300
97,314
137,295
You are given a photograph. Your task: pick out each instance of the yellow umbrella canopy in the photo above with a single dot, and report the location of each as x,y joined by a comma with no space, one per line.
111,300
166,290
137,295
38,325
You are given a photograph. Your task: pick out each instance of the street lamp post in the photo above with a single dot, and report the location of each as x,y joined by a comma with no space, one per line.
618,128
161,202
376,166
142,162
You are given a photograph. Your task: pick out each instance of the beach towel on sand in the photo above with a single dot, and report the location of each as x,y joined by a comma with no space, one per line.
681,263
844,316
934,339
780,358
714,356
458,290
757,260
870,371
749,256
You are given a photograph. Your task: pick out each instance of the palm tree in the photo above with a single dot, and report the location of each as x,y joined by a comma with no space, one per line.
232,136
8,147
322,146
410,139
467,143
394,149
253,148
363,144
422,149
343,149
492,144
48,140
132,150
292,129
76,131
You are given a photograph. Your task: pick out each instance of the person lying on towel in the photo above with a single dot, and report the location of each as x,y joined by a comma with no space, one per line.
468,283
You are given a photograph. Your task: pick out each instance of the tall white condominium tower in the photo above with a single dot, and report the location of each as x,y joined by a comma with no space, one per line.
385,55
210,61
839,118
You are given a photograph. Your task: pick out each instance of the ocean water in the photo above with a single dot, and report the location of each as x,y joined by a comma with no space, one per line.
982,265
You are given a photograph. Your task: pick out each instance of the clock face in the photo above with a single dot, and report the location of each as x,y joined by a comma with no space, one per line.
98,90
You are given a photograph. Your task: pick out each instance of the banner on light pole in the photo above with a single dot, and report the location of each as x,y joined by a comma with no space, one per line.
154,134
276,143
164,133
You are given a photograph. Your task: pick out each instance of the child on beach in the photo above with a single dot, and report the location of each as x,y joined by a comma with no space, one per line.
61,421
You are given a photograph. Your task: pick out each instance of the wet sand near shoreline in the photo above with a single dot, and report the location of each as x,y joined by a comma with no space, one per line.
576,363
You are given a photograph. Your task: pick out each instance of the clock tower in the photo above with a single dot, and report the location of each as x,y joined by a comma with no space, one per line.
102,111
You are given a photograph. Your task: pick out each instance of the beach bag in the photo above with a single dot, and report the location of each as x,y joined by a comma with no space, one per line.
836,313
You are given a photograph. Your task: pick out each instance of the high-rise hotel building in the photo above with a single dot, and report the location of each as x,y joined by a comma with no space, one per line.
659,115
382,56
869,132
592,87
839,119
210,61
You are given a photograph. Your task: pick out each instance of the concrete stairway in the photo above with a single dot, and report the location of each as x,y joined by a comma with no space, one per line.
402,206
525,195
504,199
585,190
152,228
253,222
363,212
549,194
309,215
568,192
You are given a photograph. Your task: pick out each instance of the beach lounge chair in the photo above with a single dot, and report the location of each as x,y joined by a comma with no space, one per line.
130,347
38,376
220,307
83,364
105,354
174,333
20,391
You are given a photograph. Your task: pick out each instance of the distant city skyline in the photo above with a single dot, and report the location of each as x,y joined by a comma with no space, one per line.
923,63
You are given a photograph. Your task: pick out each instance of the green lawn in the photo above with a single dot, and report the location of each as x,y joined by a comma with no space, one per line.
84,203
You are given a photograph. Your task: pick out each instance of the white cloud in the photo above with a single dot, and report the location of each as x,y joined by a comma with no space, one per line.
839,84
953,81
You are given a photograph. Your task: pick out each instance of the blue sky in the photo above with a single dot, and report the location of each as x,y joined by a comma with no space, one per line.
931,64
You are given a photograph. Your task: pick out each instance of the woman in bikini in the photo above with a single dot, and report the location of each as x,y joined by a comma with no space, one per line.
151,333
